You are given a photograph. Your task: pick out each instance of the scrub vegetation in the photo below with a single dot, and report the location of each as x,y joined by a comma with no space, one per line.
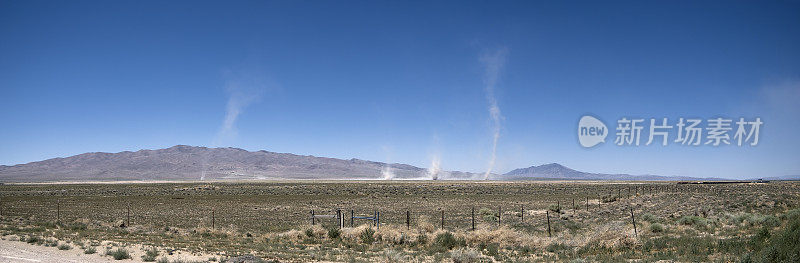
588,221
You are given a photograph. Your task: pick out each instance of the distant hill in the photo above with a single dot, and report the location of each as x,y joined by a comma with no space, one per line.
193,163
785,177
559,172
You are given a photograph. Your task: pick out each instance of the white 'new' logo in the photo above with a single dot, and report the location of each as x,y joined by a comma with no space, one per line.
591,131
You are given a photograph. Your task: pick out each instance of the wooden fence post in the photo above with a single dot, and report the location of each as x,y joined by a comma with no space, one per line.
549,234
442,219
128,216
573,203
499,214
312,217
340,218
473,218
213,219
58,211
633,220
408,219
587,203
378,220
522,214
352,215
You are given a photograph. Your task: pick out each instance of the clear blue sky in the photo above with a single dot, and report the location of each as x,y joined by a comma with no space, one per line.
400,81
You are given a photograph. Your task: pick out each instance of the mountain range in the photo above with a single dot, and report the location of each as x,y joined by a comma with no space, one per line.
557,171
191,163
182,163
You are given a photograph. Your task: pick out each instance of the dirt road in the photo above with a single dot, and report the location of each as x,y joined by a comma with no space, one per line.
15,251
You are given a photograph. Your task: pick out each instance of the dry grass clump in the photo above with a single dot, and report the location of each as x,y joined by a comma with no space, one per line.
64,246
90,250
293,235
315,231
615,234
395,235
218,232
118,254
353,233
612,234
501,235
465,255
424,224
394,256
50,242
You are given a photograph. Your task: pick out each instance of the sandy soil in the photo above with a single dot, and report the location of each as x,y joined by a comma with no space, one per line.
15,251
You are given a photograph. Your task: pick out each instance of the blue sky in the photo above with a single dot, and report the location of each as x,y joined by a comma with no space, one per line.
399,81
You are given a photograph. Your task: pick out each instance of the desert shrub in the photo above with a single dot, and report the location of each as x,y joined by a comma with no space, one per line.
555,208
524,250
150,255
47,224
464,255
76,226
493,249
760,237
163,260
90,250
51,242
783,246
739,218
64,246
556,247
334,233
422,239
488,215
693,221
485,211
794,213
367,236
649,218
391,255
656,228
490,218
180,260
446,241
608,198
770,221
681,248
309,232
753,219
567,224
34,240
118,254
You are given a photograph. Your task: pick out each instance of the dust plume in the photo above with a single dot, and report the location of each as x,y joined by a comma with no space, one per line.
493,63
435,168
243,89
387,172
